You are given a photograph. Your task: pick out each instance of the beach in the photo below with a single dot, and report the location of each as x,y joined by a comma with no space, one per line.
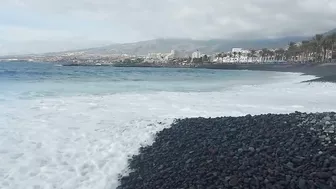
76,127
326,72
280,151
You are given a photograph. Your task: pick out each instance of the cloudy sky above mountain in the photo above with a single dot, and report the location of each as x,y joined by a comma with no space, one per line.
53,25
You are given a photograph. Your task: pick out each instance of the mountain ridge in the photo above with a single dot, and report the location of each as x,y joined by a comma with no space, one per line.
190,45
187,45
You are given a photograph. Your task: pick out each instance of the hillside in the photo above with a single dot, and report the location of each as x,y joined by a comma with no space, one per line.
330,32
189,45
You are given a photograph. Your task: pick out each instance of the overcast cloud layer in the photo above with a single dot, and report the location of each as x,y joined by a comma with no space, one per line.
65,24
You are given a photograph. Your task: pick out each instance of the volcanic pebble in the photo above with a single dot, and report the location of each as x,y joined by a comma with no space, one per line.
294,150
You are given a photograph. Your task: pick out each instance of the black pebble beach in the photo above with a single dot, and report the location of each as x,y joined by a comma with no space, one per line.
272,151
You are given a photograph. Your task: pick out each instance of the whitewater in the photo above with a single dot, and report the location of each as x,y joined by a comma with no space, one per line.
76,127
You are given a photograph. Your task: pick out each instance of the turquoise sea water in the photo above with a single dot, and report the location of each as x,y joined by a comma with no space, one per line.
42,79
74,127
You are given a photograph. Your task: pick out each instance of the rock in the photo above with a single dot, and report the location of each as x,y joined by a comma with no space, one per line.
333,178
302,183
233,130
263,151
290,165
326,163
323,175
288,178
327,118
251,149
188,161
323,137
330,129
233,181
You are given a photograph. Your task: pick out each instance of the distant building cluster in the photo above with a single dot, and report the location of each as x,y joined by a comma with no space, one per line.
174,54
320,48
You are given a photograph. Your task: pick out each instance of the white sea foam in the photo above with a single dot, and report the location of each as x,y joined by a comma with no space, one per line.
72,142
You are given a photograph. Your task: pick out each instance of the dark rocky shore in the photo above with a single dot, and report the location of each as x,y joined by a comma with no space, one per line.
294,150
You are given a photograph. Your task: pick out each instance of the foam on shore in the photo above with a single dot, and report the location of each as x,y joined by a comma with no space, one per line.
84,141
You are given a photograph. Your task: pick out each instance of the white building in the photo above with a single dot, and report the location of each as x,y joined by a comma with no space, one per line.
239,55
155,57
237,50
236,55
176,54
196,54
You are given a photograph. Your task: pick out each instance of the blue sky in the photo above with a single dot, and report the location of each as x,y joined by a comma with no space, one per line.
52,25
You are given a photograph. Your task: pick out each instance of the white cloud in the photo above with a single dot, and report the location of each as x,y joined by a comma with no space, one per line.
144,19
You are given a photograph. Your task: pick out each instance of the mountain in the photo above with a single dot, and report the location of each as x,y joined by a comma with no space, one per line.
185,45
189,45
330,32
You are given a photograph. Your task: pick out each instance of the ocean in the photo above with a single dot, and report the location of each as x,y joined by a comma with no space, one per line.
75,127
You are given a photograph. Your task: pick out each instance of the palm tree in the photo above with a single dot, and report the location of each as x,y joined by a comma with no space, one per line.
304,48
249,55
332,39
261,54
224,55
279,54
264,53
253,53
218,56
318,46
239,55
271,54
325,45
230,55
291,51
234,55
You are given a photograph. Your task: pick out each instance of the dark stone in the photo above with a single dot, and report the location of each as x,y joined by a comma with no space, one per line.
302,183
188,161
233,181
333,178
323,175
259,152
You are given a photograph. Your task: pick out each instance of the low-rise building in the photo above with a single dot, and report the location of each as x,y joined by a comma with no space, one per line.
196,54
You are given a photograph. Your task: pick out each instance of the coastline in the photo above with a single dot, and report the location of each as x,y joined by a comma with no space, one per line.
326,72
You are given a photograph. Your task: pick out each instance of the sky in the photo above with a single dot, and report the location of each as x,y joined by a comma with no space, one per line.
35,26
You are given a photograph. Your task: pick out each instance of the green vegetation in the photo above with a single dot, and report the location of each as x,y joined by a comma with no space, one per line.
319,49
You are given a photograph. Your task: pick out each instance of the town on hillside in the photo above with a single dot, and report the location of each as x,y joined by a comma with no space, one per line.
321,48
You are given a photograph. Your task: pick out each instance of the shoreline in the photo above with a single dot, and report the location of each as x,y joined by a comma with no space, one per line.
326,72
295,150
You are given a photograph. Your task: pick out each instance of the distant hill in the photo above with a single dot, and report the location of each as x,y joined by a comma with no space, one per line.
330,32
189,45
